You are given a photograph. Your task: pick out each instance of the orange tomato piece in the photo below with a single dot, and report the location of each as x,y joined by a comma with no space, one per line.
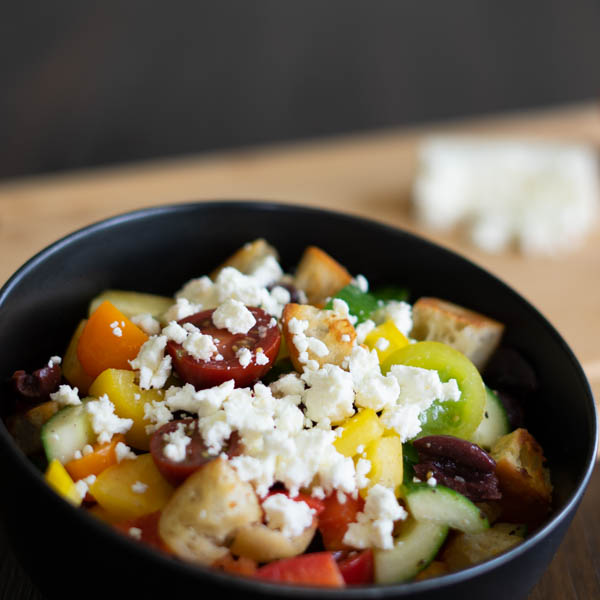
102,457
108,340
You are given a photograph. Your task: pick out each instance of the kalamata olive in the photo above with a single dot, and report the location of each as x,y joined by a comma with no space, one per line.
37,386
457,464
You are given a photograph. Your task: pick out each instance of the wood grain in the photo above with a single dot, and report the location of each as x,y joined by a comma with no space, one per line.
368,175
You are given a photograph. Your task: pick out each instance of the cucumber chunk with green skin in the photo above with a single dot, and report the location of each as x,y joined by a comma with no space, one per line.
66,432
444,506
413,550
133,303
494,423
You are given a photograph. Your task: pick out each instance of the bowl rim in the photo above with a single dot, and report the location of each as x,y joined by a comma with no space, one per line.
267,588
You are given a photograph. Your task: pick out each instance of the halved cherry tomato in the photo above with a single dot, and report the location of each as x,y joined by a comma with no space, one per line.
335,518
148,525
316,568
196,452
201,374
358,568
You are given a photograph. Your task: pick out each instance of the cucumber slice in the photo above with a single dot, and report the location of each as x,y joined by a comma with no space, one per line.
444,506
413,550
66,432
133,303
494,423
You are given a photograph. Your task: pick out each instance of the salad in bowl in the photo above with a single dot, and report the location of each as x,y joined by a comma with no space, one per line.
300,427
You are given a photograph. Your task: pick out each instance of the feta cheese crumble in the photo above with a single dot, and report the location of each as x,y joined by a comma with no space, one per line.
374,526
177,442
66,396
153,366
233,316
291,517
104,421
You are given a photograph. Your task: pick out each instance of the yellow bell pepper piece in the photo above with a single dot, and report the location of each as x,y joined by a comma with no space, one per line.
359,430
114,492
71,367
129,400
385,339
387,467
60,481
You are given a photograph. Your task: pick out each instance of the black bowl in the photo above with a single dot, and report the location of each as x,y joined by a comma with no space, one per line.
69,553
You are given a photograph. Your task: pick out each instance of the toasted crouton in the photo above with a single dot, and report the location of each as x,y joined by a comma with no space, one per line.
247,257
473,334
466,549
336,332
523,479
319,276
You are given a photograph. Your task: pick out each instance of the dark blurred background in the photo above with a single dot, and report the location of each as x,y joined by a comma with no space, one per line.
90,83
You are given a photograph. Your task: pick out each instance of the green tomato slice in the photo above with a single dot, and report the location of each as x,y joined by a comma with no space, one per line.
460,418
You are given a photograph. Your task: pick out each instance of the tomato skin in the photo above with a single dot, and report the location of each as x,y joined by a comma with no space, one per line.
204,374
196,454
358,568
316,568
149,527
335,518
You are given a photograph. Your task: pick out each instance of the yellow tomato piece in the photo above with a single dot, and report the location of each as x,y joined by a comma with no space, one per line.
60,481
385,339
71,367
129,400
359,430
387,467
115,493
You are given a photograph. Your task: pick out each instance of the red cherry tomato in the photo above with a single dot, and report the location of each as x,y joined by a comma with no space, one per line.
202,374
316,568
196,452
358,568
335,518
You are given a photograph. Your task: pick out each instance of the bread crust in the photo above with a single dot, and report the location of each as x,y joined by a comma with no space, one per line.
320,276
470,332
247,257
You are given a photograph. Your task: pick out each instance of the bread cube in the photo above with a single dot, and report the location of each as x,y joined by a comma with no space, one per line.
247,257
472,333
320,276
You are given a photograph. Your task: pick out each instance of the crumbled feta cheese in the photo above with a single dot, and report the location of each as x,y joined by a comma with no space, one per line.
124,452
373,390
266,271
341,307
360,281
147,323
261,358
345,338
288,385
330,394
87,449
66,396
157,413
363,329
542,197
281,295
419,388
201,292
203,402
291,517
104,421
398,312
199,345
153,366
139,487
233,316
244,356
177,442
77,454
83,485
54,360
432,481
374,526
181,309
363,468
382,344
135,532
175,332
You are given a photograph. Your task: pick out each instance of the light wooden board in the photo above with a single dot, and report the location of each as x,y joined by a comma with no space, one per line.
368,174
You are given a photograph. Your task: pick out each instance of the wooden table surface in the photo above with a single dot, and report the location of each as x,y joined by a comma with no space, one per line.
368,175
